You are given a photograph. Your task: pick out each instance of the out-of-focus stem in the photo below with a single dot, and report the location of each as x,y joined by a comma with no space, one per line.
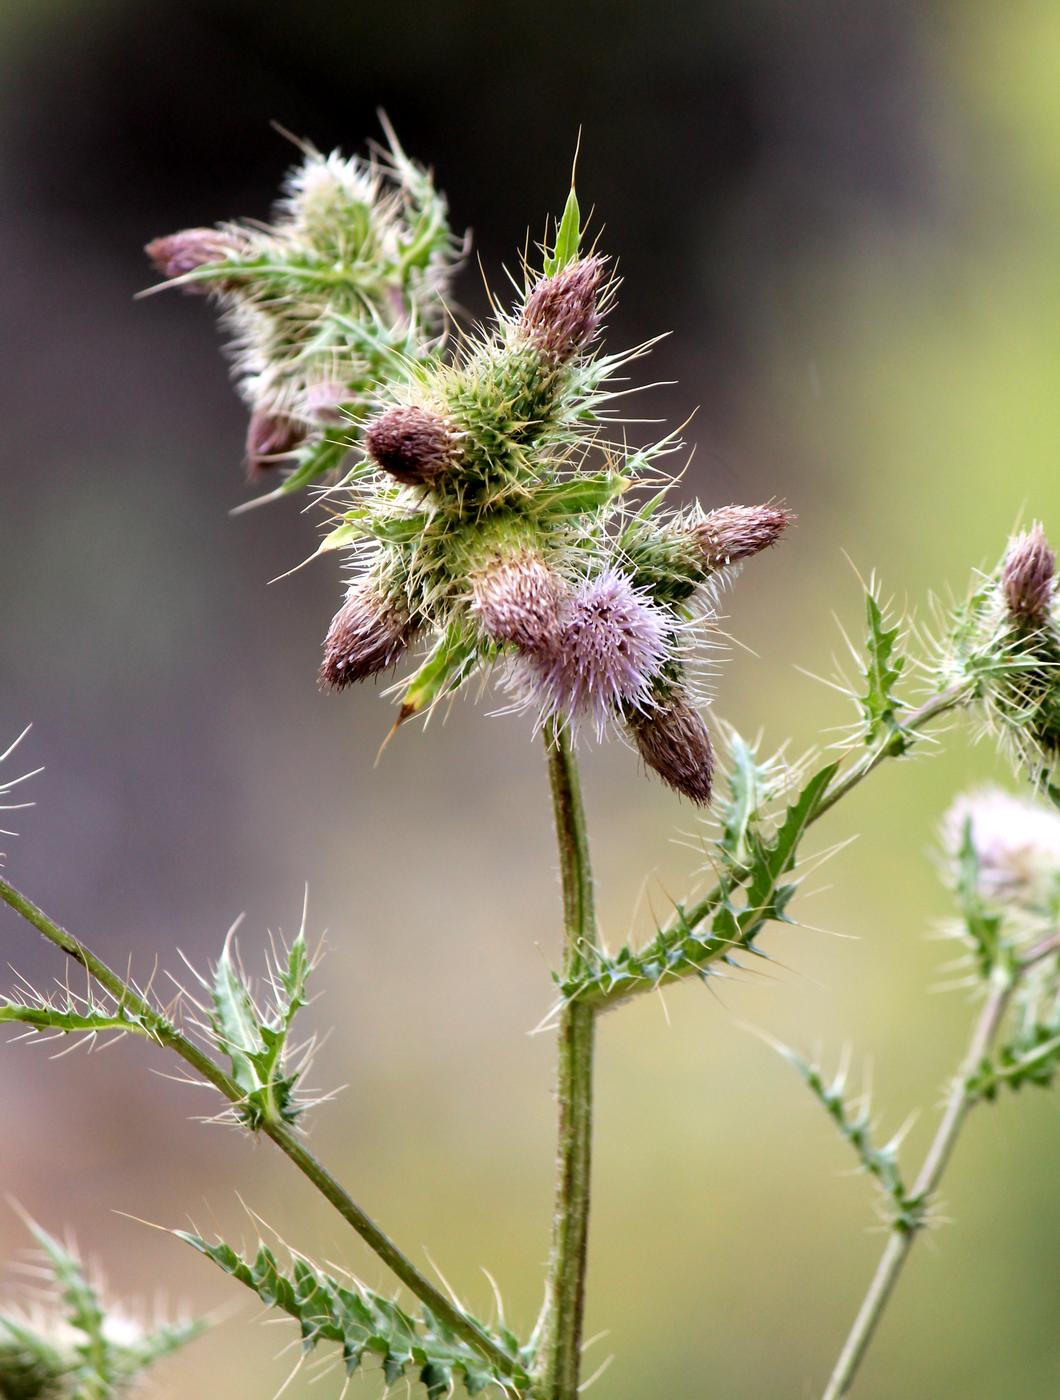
559,1344
165,1033
962,1097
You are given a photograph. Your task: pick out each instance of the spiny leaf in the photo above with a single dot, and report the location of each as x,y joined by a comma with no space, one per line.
882,671
854,1124
363,1323
568,237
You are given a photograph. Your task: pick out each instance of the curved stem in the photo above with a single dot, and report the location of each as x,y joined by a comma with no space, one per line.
161,1029
962,1097
559,1344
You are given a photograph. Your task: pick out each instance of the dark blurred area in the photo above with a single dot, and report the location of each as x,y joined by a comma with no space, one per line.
849,219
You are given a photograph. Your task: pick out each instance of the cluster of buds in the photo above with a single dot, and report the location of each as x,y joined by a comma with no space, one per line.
497,539
345,287
476,520
1005,647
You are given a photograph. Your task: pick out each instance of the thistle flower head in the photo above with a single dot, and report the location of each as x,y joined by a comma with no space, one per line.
177,254
674,742
367,635
731,533
1028,576
561,315
520,600
413,444
1015,841
270,437
610,645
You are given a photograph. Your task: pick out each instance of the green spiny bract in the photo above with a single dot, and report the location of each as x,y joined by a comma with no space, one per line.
480,521
1005,646
345,288
76,1348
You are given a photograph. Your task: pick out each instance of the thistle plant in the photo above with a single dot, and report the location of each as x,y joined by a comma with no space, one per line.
494,522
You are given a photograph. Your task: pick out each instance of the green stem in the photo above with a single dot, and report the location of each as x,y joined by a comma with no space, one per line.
962,1098
559,1346
165,1033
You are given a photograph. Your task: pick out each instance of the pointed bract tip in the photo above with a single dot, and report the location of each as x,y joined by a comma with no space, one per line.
732,533
413,444
1028,576
562,313
674,742
367,635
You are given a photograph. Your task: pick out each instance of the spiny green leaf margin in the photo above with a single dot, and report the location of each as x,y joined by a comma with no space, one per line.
364,1324
726,923
882,669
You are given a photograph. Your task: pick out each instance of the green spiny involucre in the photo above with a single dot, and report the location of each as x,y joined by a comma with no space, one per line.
488,516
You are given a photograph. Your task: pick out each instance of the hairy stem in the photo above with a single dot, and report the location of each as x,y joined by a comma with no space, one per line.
165,1033
962,1098
559,1347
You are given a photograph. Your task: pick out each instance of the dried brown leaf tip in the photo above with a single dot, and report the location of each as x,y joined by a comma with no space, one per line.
732,533
562,314
1028,576
367,634
674,742
270,437
413,444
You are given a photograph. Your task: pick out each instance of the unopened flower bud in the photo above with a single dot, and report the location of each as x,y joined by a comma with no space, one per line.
609,648
1028,576
367,634
269,437
519,600
180,253
561,313
732,533
413,444
674,742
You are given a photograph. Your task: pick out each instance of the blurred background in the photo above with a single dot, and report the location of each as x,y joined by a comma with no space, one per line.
849,218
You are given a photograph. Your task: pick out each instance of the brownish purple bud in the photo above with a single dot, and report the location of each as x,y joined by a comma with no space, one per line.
674,742
519,600
367,634
732,533
1028,576
179,253
561,314
413,444
270,436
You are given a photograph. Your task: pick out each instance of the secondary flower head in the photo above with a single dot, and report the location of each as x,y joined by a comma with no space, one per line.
674,742
733,533
414,445
522,601
1028,576
609,646
1015,841
367,635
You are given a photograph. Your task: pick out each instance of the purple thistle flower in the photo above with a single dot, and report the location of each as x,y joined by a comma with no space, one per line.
609,647
269,437
1027,576
731,533
178,253
411,443
561,313
519,600
674,742
367,634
